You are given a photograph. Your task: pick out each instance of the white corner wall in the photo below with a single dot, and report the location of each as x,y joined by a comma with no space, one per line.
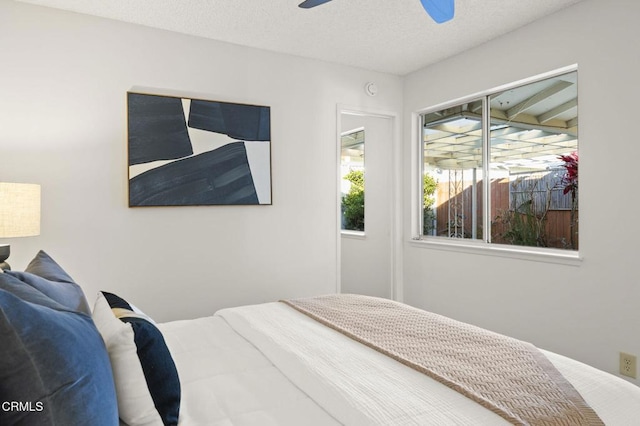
63,84
591,311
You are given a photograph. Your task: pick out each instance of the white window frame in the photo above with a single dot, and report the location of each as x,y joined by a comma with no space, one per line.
484,246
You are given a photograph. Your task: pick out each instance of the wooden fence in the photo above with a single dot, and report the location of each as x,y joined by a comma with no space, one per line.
555,228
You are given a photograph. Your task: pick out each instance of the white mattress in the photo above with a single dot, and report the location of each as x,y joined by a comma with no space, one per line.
269,364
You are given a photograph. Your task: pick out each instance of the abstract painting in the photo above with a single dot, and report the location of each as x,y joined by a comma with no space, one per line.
188,152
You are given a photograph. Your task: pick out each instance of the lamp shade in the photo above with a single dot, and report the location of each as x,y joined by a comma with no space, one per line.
19,210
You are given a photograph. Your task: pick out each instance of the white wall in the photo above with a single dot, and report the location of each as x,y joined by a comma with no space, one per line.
63,84
589,312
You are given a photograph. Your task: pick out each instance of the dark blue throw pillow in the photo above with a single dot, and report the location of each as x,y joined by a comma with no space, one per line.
45,275
145,374
54,367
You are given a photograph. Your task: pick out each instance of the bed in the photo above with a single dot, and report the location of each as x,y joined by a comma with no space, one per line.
325,360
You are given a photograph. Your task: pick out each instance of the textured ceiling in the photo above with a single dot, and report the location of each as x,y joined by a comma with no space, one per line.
394,36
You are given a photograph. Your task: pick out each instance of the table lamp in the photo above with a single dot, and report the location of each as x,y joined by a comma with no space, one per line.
19,214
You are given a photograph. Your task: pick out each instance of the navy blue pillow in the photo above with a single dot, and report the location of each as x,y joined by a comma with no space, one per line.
45,275
160,372
54,365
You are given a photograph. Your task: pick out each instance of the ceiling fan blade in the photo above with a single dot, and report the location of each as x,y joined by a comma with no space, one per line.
308,4
440,10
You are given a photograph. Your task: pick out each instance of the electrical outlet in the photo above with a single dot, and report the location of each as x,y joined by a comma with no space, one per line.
628,365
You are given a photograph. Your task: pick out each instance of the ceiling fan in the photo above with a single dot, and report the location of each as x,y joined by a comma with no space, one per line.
440,10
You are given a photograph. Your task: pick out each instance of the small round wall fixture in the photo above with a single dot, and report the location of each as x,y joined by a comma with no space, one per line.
371,88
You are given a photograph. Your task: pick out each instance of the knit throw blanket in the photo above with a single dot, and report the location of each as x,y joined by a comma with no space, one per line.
510,377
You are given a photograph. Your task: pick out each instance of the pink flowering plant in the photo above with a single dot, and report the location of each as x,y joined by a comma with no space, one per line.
570,178
570,182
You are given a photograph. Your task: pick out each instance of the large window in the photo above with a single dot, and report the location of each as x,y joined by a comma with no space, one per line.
503,168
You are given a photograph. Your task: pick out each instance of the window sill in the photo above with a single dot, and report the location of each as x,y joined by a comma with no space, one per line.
535,254
356,235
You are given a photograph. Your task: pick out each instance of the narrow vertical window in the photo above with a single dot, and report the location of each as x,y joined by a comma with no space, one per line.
353,184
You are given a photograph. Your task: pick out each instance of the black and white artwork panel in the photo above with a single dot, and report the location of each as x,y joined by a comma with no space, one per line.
186,151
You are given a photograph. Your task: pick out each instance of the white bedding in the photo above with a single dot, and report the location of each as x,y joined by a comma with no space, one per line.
226,381
269,364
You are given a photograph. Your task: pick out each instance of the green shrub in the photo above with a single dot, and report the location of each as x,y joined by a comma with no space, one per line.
353,202
429,186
